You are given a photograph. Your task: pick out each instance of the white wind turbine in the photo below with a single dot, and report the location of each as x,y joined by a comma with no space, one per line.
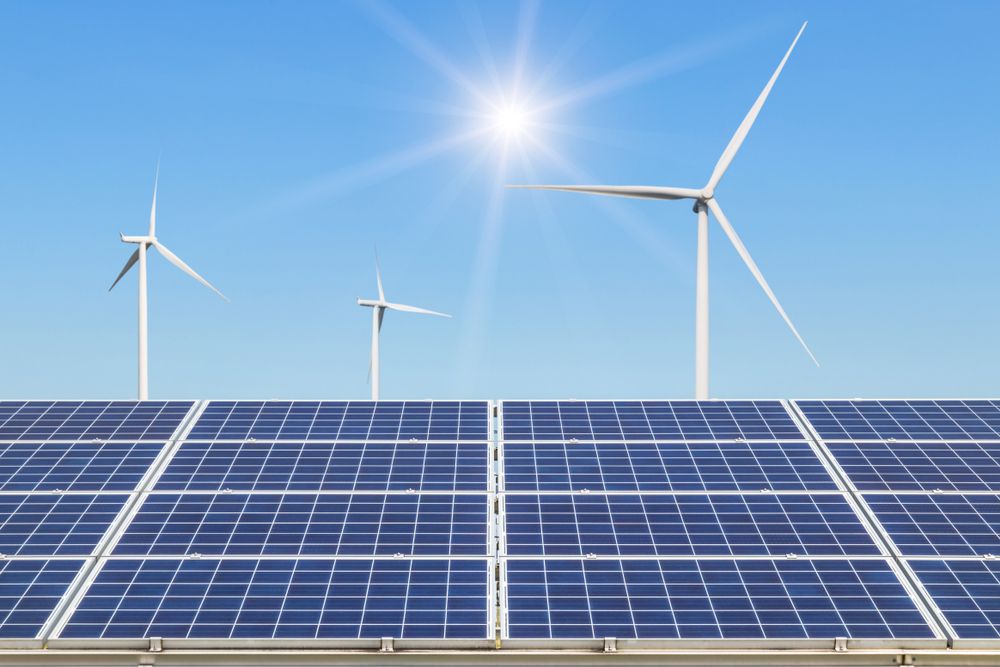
139,256
704,199
379,307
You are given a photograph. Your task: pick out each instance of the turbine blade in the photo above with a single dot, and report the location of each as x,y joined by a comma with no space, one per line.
381,316
378,278
634,191
179,263
152,211
128,265
748,260
414,309
744,128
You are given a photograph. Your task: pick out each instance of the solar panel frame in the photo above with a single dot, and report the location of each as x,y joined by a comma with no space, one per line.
902,591
462,421
641,419
288,465
65,421
902,419
59,637
657,466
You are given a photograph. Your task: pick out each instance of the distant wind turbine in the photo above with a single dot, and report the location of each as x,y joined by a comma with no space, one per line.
378,312
704,199
139,256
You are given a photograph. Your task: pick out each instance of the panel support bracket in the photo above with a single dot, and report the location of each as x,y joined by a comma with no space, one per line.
386,645
610,645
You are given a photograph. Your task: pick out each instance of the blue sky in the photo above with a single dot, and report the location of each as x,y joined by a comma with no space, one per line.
295,137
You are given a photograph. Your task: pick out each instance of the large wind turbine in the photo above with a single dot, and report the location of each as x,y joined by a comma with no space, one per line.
379,307
139,256
704,199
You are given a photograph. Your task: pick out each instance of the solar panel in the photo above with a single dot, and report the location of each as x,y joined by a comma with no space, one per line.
684,525
663,466
264,599
308,524
967,592
647,420
30,590
708,599
327,466
82,420
920,466
344,420
940,524
75,466
55,524
904,419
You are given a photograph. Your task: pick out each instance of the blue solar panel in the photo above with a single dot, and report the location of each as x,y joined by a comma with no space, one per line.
967,592
940,524
75,466
328,466
708,599
663,466
30,590
647,420
308,524
55,525
261,599
684,525
342,420
904,419
920,466
81,420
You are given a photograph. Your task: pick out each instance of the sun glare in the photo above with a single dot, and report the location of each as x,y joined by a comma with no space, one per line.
510,120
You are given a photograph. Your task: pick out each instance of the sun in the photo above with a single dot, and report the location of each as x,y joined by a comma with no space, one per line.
510,120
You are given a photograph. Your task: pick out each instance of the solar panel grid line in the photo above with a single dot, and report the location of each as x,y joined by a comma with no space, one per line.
328,466
428,420
58,524
684,525
32,593
646,420
904,624
229,612
904,419
67,421
300,524
541,467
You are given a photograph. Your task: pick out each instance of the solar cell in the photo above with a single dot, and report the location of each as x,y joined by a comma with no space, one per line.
327,466
344,420
75,466
82,420
308,524
684,525
940,524
967,592
904,419
708,599
55,524
647,420
30,590
262,599
663,466
920,466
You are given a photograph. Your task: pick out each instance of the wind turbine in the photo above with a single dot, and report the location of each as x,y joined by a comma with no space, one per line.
379,307
144,242
704,200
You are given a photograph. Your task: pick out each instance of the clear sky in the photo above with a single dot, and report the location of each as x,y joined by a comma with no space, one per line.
293,137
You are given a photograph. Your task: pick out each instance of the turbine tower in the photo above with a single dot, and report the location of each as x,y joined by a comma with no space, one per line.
379,307
143,243
704,201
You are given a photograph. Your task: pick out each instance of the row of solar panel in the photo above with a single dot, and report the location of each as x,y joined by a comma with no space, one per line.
522,420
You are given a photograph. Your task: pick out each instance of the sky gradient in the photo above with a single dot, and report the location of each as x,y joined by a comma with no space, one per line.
293,138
